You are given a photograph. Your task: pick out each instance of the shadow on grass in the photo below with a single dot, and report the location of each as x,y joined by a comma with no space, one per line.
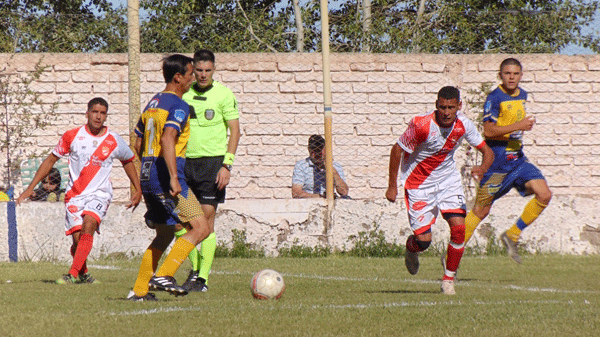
403,292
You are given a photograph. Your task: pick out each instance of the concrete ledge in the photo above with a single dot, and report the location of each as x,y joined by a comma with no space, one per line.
570,225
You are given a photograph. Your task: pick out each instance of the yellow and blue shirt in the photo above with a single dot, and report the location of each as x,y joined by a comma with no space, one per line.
165,110
504,109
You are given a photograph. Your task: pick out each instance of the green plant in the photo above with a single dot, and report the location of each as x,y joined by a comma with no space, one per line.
240,248
23,114
301,251
373,244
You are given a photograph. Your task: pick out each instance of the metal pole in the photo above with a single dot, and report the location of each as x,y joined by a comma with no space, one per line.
133,48
327,105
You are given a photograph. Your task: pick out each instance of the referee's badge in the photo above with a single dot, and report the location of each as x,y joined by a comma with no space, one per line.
209,114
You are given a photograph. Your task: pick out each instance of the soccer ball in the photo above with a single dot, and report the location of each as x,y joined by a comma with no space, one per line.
267,284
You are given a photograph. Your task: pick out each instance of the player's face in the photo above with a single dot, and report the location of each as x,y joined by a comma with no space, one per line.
188,78
445,115
96,117
204,71
510,75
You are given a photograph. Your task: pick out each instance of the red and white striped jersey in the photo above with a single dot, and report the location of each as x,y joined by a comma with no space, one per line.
429,160
90,161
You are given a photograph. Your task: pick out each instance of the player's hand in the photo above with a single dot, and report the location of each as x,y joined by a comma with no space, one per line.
24,196
223,178
175,187
391,193
477,173
135,200
527,123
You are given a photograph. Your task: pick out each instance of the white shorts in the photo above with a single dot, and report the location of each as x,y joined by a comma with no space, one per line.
424,205
87,205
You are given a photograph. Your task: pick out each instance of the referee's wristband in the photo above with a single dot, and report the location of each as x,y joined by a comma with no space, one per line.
228,160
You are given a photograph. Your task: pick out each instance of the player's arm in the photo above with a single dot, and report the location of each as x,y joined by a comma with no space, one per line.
224,175
395,158
132,174
41,172
167,143
340,185
477,172
137,147
298,192
491,129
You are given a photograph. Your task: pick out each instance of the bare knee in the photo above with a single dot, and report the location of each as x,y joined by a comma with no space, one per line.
544,197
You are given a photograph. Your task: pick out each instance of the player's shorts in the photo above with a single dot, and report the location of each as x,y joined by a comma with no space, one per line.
200,175
424,205
77,207
496,184
163,208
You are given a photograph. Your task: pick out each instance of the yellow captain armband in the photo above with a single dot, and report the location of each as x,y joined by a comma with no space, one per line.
228,160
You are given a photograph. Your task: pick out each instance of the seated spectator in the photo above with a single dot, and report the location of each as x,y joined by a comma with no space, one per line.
50,190
308,180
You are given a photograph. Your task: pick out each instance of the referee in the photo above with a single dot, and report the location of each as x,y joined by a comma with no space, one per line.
209,155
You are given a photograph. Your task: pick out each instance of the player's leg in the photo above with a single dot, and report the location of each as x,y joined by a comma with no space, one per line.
84,247
530,180
455,250
149,264
201,175
188,211
422,213
491,187
532,211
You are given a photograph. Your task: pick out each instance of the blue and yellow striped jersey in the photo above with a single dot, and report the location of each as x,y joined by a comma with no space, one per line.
504,109
165,110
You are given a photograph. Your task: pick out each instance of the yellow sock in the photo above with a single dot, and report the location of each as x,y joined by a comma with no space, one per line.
147,268
471,222
532,210
178,254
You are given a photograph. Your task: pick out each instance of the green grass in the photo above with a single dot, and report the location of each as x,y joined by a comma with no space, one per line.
548,295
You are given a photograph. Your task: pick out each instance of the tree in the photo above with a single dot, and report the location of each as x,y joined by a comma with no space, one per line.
62,26
468,26
221,25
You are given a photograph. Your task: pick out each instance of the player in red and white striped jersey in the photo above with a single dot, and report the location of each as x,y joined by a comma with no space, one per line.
432,184
91,150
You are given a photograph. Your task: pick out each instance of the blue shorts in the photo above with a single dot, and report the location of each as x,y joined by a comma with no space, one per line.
163,208
496,184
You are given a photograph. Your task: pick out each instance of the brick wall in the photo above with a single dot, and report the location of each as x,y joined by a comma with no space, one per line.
373,95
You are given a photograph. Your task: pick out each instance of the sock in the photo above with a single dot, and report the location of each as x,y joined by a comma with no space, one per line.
194,254
471,222
207,252
179,252
532,210
456,248
84,269
147,269
86,241
412,245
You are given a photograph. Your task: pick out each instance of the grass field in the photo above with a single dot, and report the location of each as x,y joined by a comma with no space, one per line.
548,295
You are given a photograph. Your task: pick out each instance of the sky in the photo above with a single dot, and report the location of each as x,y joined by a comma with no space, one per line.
569,50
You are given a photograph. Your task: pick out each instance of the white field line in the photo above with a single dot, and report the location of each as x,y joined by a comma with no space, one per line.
376,279
348,306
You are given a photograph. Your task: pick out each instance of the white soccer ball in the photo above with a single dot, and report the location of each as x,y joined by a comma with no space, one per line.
267,284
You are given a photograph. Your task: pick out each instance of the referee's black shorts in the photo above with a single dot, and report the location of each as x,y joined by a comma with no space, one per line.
200,174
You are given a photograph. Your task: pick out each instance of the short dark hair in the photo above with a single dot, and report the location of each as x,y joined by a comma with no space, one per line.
54,176
204,55
316,143
97,100
511,61
175,64
449,92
